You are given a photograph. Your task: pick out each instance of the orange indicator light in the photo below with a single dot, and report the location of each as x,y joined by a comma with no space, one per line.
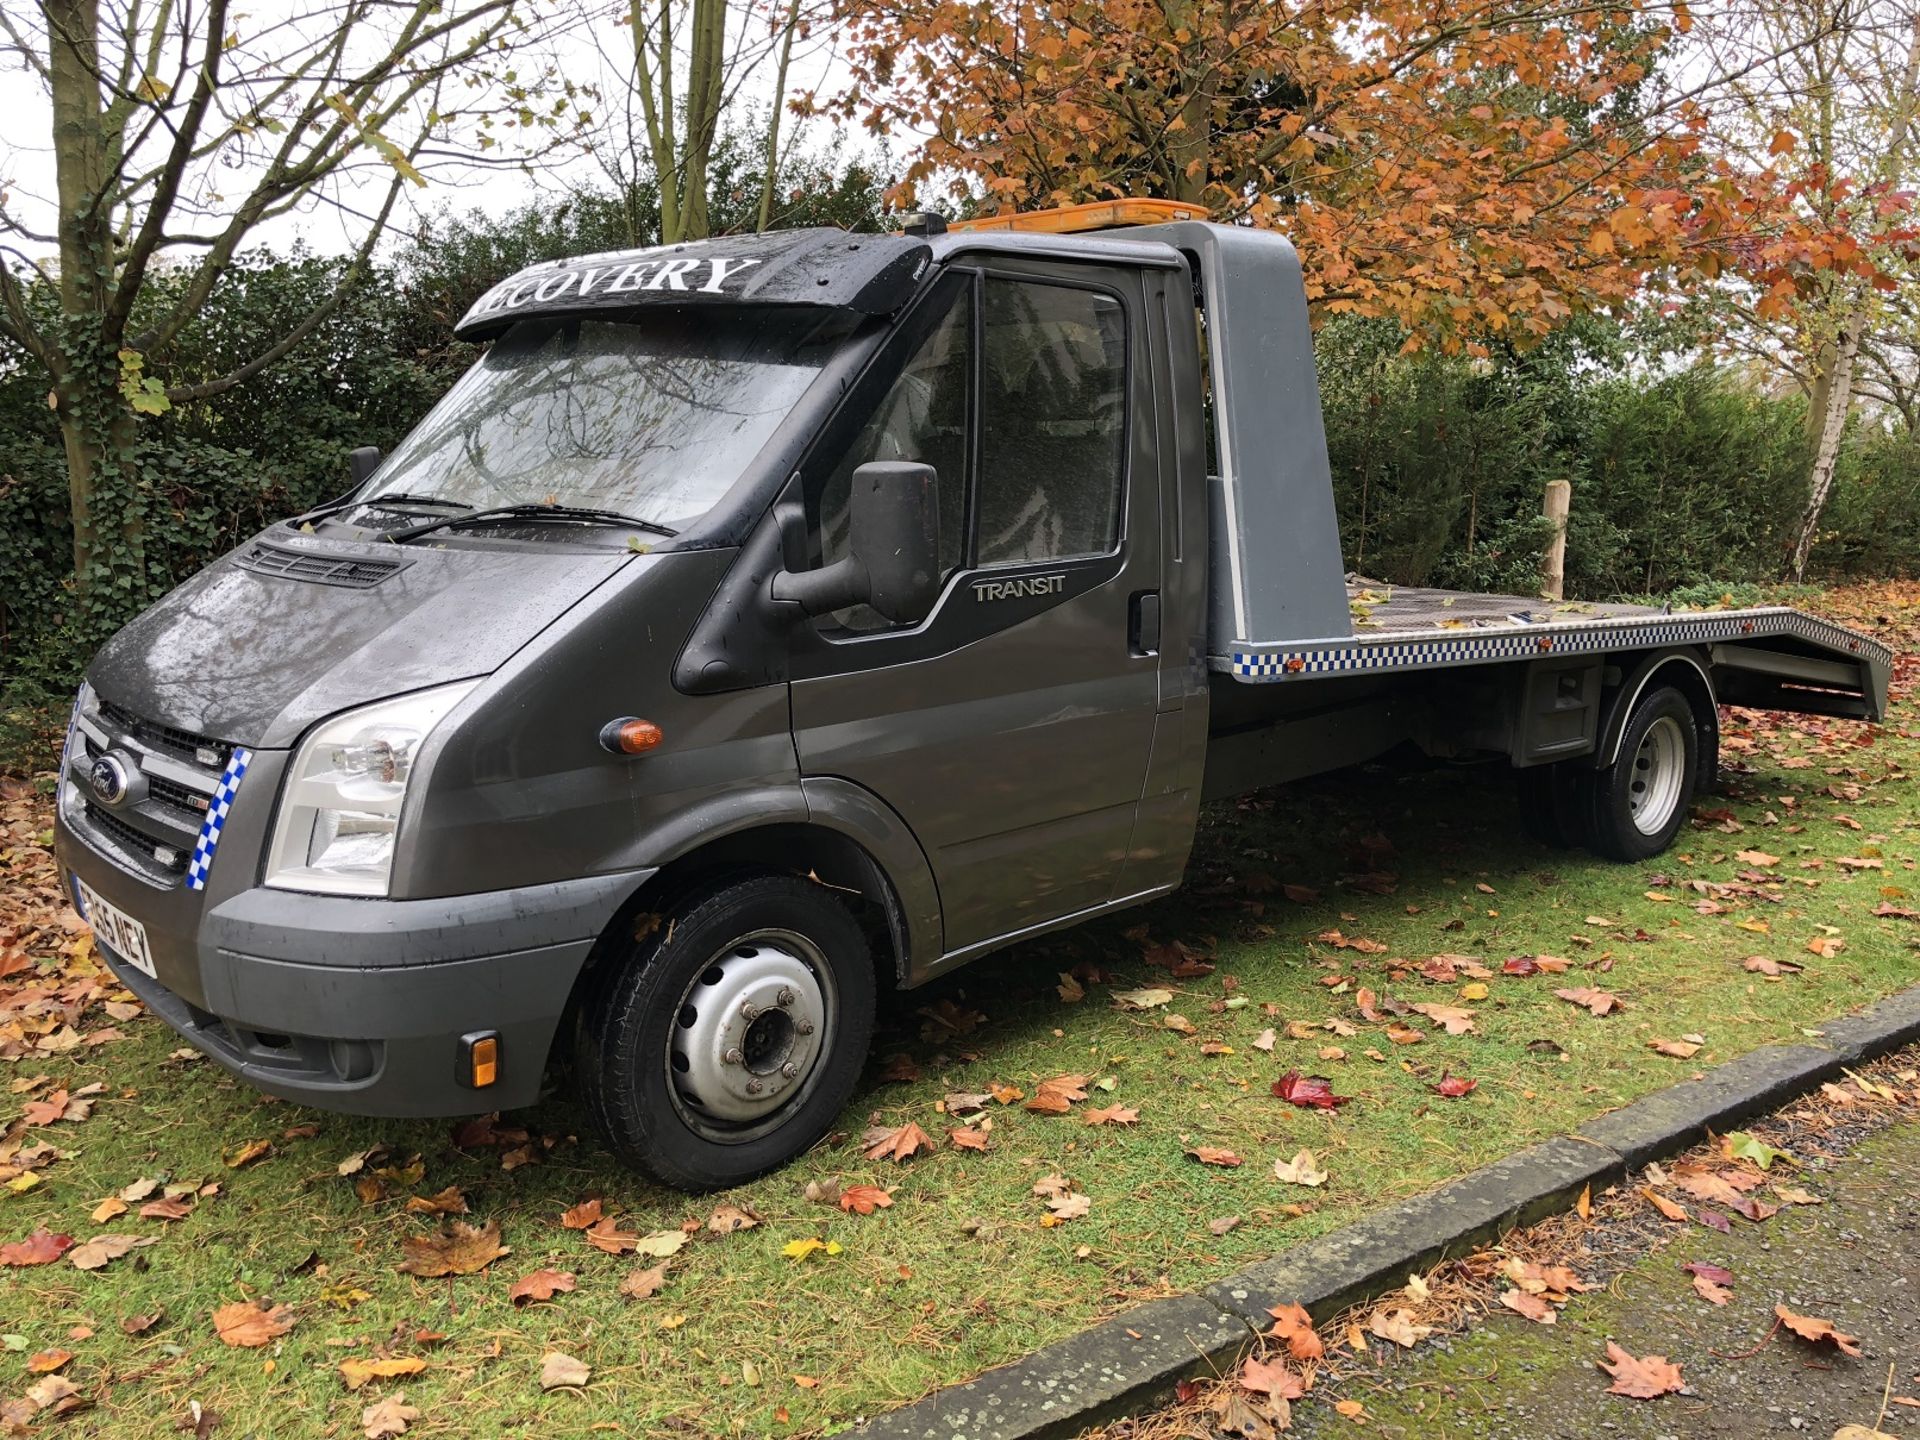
485,1060
630,736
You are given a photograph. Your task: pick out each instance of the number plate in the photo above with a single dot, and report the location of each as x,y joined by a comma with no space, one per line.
115,929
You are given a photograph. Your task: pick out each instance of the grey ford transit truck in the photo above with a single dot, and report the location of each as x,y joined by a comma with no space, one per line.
764,620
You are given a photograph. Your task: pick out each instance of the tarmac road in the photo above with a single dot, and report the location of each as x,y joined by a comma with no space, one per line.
1854,1260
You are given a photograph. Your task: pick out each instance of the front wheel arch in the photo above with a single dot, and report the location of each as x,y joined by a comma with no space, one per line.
807,851
638,1015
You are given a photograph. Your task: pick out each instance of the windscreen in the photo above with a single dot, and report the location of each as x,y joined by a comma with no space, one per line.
655,418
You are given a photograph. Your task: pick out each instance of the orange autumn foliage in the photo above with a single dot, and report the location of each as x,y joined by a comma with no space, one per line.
1471,171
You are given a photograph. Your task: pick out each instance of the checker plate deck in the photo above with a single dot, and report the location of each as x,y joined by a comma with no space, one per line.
1398,629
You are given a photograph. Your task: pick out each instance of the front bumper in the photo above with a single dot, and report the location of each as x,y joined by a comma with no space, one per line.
360,1005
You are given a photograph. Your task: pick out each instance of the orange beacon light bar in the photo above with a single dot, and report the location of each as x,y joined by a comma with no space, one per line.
1094,215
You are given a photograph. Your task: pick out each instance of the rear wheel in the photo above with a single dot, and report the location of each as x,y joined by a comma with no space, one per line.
1636,805
731,1036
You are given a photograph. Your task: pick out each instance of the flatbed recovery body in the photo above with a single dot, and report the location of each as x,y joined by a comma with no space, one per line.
766,617
1408,628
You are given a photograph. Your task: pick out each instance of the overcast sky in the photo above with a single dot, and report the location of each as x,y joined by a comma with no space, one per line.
589,52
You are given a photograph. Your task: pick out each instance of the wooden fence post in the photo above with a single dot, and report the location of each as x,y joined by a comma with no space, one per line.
1553,568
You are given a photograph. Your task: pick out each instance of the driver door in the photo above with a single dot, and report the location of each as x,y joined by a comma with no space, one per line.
1012,727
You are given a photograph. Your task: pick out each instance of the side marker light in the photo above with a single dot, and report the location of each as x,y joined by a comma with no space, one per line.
630,736
480,1059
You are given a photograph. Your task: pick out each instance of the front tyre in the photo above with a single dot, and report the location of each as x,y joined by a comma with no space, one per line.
732,1034
1637,804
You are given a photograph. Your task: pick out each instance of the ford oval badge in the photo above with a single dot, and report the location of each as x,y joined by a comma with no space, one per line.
108,780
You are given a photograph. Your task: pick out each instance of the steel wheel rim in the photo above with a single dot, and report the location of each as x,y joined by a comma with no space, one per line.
1658,776
749,1035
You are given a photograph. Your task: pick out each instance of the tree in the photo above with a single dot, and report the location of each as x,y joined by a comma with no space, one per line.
177,129
1489,168
1827,99
685,82
771,168
680,138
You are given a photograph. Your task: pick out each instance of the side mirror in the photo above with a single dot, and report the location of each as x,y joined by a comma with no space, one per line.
893,548
362,463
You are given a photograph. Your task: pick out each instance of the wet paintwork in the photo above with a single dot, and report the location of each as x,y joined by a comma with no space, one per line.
519,789
255,659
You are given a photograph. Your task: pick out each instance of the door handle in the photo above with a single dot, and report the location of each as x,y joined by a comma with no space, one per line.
1143,623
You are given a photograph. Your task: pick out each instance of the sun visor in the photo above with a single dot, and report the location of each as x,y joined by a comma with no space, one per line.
822,269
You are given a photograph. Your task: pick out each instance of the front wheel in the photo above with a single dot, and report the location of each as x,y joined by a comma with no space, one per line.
1636,805
731,1035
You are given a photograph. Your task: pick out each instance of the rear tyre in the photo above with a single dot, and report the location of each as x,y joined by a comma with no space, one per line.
1551,807
1636,805
731,1036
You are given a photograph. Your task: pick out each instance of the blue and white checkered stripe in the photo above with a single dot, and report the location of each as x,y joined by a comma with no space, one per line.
216,820
1364,654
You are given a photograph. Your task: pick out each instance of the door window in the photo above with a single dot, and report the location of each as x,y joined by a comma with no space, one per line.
1031,467
1052,422
923,417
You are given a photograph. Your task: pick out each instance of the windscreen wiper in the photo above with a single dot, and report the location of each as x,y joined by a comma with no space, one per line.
398,500
564,514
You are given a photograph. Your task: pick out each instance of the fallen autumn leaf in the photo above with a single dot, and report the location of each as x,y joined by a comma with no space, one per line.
562,1372
1398,1326
1271,1377
1214,1155
1532,1307
864,1199
1300,1170
1813,1329
644,1284
897,1142
357,1372
1645,1378
103,1249
459,1249
249,1325
42,1247
1294,1325
1600,1002
1308,1090
540,1285
387,1419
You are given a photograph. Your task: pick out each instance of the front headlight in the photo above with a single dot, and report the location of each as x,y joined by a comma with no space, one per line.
70,797
340,808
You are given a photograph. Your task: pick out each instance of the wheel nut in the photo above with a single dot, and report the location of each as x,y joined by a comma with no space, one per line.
749,1010
753,1087
790,1070
805,1027
784,998
733,1056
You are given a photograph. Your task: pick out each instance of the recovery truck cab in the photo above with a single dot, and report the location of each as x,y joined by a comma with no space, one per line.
765,620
